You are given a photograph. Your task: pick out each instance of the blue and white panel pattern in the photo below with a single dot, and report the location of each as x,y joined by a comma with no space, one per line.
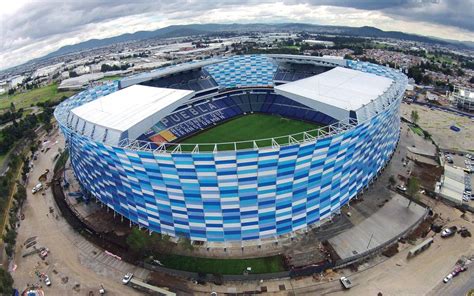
243,195
235,195
243,71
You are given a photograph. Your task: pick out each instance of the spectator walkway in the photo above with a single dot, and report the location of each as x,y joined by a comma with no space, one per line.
102,263
389,222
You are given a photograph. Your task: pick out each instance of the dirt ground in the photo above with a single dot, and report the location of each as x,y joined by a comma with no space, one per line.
65,265
437,123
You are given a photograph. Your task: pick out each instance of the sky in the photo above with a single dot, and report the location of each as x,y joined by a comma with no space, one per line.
31,28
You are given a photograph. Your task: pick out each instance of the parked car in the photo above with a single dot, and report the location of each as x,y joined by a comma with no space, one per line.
37,188
467,196
127,278
448,232
448,278
47,281
401,188
44,253
346,283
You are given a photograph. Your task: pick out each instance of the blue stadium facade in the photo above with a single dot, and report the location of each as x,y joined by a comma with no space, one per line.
235,194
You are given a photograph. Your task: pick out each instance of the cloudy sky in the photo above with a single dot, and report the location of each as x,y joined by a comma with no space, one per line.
30,29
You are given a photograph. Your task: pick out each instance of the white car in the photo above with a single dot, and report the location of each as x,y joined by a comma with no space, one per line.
47,281
448,232
127,278
346,282
401,188
448,278
37,188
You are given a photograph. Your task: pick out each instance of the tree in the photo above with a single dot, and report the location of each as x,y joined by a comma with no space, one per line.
10,239
392,181
137,240
12,107
414,116
186,244
426,80
413,188
415,73
358,51
6,282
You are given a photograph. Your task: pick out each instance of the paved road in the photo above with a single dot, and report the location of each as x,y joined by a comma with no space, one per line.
459,285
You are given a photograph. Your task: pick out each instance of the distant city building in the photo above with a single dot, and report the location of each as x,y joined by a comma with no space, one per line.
12,82
463,98
47,71
81,70
319,42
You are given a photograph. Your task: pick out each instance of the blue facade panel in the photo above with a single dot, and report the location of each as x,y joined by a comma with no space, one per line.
236,195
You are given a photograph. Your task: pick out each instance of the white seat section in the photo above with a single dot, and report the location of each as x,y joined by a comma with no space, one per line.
338,91
126,113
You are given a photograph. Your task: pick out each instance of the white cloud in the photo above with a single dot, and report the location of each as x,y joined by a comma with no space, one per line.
38,31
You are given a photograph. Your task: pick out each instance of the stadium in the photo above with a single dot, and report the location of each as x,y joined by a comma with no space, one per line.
235,148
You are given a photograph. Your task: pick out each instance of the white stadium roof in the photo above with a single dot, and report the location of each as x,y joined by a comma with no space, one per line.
126,113
337,91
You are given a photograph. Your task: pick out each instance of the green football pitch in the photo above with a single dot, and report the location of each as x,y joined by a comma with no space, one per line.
249,127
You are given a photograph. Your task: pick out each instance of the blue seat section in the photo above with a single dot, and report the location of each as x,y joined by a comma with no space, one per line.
292,72
243,71
188,120
196,80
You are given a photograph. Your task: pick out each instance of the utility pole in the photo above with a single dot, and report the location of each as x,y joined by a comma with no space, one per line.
370,240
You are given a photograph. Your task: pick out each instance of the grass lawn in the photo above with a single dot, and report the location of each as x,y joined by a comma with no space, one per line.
440,58
42,94
223,266
250,127
417,131
2,158
291,47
